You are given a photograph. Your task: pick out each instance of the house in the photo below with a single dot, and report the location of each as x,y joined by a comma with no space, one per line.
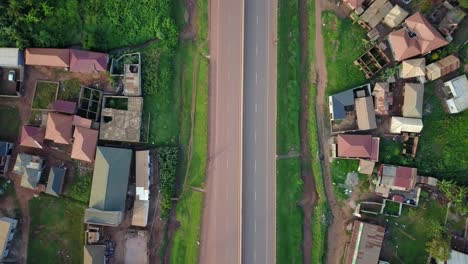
32,137
442,67
11,58
404,124
48,57
109,187
394,18
55,182
383,98
30,168
458,94
366,243
353,4
64,107
376,12
82,122
457,257
84,144
94,254
6,148
352,110
87,61
415,38
59,128
415,68
397,177
413,100
358,146
142,174
7,231
121,118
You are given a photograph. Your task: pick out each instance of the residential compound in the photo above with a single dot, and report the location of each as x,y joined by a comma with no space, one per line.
365,245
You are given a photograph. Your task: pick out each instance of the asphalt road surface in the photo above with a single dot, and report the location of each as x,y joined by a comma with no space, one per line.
222,215
259,137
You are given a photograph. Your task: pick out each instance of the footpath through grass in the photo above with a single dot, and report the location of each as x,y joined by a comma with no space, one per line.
56,234
319,226
289,216
192,73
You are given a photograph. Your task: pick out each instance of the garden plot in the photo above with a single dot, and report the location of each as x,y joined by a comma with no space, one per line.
45,95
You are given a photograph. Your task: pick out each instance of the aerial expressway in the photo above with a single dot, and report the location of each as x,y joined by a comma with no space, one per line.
239,215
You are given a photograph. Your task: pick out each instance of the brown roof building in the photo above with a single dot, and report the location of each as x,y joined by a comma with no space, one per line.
48,57
442,67
413,100
417,37
358,146
88,61
397,177
366,243
383,98
84,144
32,137
353,4
64,106
59,128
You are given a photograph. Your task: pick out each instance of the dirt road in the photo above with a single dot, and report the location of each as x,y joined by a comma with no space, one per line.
221,227
336,231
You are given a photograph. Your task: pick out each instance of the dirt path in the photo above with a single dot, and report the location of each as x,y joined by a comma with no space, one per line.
309,194
336,231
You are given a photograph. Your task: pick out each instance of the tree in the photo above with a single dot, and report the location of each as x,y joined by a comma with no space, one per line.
439,248
463,3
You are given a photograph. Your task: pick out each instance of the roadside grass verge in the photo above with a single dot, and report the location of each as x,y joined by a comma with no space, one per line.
9,123
288,213
192,73
289,91
408,239
343,43
442,145
56,234
289,216
319,226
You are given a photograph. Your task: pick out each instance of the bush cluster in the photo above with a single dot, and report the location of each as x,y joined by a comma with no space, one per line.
168,160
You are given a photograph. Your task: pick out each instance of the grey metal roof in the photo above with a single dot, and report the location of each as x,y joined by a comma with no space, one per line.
11,57
100,217
55,182
4,147
110,179
94,254
340,101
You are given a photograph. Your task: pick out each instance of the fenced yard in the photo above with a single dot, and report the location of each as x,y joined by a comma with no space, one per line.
45,94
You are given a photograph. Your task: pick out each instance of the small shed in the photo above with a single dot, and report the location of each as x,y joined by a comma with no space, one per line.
94,254
56,180
403,124
442,67
11,57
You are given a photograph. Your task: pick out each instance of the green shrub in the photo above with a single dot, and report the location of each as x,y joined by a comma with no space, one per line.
168,159
81,188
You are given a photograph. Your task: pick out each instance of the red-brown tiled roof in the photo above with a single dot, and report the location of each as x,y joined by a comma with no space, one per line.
82,122
366,243
48,57
65,106
87,61
354,3
426,38
404,177
32,137
59,128
354,146
84,144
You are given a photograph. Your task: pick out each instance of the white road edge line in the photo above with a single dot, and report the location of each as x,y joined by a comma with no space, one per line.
257,20
256,78
255,165
255,196
255,136
256,110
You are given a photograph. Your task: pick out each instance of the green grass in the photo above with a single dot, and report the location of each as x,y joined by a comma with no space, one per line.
343,45
441,150
46,93
289,91
288,213
69,90
319,226
81,188
192,71
56,234
9,123
338,170
416,221
189,213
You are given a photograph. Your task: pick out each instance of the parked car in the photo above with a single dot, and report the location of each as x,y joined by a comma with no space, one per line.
12,76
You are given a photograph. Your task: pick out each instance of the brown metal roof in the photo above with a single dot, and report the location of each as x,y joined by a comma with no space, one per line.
354,146
366,243
48,57
32,136
365,113
413,100
84,144
87,61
